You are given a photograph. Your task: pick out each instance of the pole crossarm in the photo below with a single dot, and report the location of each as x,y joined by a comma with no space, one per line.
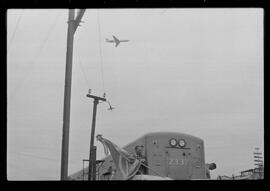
78,18
96,97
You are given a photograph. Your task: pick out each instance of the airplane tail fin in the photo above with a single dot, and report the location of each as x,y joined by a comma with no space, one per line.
107,40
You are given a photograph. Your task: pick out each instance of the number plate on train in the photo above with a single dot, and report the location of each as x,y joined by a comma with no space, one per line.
175,161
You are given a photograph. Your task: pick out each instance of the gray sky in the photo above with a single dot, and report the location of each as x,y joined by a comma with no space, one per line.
195,71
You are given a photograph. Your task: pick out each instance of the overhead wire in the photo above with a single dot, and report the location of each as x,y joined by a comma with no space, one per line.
36,56
81,66
101,59
20,169
35,156
100,52
38,157
15,29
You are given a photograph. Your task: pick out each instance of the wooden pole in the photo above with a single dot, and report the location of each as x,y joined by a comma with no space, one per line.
92,153
72,26
67,96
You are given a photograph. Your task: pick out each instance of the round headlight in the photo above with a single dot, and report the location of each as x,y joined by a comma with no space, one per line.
173,142
182,143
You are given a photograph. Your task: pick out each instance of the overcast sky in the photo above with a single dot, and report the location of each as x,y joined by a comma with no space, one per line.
195,71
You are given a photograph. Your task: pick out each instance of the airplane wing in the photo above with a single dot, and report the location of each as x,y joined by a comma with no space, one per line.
116,39
117,43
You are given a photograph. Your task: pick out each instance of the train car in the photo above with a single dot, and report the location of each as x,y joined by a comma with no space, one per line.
175,155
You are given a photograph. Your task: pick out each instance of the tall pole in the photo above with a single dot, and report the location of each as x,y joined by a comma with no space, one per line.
72,26
90,168
67,96
92,153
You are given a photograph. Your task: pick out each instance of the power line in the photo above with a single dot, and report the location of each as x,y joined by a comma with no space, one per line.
35,156
39,157
14,32
100,51
81,66
35,57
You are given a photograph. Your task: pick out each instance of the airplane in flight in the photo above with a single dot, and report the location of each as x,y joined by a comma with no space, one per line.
116,41
110,108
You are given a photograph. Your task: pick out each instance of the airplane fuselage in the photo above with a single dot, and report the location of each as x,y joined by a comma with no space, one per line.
116,41
112,41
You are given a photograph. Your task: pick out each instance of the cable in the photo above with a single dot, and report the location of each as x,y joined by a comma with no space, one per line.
100,51
40,157
81,66
14,32
34,156
36,56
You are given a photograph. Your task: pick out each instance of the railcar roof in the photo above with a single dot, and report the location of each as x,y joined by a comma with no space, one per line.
162,133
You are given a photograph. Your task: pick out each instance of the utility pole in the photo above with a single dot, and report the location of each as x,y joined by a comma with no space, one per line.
92,153
72,26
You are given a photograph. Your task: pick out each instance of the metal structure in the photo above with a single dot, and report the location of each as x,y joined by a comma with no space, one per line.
98,162
258,159
72,26
83,167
